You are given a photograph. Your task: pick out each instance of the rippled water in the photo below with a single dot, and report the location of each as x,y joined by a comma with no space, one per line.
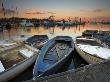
51,31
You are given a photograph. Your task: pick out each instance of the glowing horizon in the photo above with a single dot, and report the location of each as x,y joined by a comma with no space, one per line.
59,8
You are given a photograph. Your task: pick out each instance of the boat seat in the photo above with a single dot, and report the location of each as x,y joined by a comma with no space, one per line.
52,49
51,58
49,61
26,53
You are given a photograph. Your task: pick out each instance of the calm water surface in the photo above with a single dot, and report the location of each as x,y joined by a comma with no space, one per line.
51,31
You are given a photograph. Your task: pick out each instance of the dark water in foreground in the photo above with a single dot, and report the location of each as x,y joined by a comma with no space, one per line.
75,62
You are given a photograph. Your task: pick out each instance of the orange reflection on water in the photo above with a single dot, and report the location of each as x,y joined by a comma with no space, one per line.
53,31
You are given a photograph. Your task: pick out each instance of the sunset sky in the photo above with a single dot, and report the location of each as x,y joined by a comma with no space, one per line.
58,8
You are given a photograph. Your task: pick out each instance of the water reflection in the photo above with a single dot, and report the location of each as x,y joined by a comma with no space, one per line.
72,31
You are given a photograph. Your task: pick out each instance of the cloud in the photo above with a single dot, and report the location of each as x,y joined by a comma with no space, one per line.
82,10
50,12
97,10
39,12
34,12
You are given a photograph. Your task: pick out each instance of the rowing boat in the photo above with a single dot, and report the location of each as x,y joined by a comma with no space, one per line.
53,55
37,41
15,60
90,50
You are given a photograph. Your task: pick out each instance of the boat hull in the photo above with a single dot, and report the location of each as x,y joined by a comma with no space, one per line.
17,69
87,57
53,68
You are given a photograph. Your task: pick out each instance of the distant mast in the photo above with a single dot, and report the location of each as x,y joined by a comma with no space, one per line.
3,9
16,12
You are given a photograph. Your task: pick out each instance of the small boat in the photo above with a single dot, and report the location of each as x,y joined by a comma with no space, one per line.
7,44
21,38
53,55
15,60
90,50
37,41
89,32
26,23
103,38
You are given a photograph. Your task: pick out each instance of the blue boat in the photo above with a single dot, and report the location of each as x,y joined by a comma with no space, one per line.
53,55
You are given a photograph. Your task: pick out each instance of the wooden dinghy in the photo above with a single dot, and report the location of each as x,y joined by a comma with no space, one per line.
21,38
53,55
16,60
37,41
91,50
7,45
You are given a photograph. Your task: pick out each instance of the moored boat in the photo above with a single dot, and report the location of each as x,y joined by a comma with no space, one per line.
7,45
90,50
89,32
37,41
53,55
103,37
26,23
16,60
21,38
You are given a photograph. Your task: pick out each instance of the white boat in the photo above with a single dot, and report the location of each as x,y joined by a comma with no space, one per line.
24,23
16,60
90,50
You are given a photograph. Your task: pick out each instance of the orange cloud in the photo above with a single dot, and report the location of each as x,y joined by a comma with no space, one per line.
34,12
50,12
97,10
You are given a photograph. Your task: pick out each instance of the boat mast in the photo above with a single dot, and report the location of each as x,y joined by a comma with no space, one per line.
3,9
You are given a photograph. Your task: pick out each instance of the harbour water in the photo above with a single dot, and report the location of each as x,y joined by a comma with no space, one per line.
51,31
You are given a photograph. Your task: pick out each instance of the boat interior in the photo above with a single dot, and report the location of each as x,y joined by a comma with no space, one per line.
15,55
7,44
87,41
59,50
37,40
103,38
39,43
